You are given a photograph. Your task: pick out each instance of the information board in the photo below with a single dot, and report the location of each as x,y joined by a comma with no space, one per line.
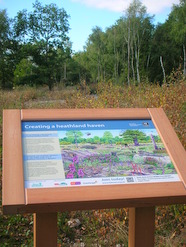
96,152
76,159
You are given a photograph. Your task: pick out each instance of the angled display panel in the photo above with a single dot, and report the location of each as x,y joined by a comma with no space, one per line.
74,159
97,152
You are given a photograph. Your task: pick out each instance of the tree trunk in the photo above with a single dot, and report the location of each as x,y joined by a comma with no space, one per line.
161,62
65,71
50,84
137,51
129,54
132,63
117,66
138,60
123,60
98,77
137,66
148,61
3,83
115,56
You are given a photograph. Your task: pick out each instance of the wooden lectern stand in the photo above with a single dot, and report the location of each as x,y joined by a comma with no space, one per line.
141,198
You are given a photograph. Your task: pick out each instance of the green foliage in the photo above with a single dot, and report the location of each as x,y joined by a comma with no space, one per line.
131,49
20,26
177,20
130,135
5,56
16,230
107,135
73,136
24,72
48,26
38,35
109,54
170,166
64,231
128,52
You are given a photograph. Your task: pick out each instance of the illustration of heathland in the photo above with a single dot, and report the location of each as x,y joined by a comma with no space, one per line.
114,154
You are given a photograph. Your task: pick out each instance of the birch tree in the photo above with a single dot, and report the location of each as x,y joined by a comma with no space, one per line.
137,20
95,49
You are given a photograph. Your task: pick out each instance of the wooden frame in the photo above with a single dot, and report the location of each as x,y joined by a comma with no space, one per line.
46,202
17,199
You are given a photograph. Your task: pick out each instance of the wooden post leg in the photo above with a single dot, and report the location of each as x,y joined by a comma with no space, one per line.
45,229
141,227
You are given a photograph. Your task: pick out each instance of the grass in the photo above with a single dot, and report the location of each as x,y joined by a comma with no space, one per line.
100,227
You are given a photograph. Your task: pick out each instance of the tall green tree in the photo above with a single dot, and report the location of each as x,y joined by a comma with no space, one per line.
123,51
177,20
165,48
138,35
95,51
168,44
48,24
20,26
5,52
44,32
48,28
83,66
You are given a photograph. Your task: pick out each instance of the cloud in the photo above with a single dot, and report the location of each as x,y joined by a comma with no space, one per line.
157,6
112,5
153,6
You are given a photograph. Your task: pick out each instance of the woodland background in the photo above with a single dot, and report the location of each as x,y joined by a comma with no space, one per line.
35,48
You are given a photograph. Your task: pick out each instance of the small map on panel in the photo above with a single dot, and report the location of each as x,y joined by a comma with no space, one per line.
99,152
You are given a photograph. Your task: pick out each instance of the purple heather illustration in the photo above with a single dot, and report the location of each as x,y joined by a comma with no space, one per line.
130,153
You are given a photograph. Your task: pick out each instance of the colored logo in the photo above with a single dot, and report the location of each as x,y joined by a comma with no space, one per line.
37,185
60,184
75,183
145,124
56,184
63,183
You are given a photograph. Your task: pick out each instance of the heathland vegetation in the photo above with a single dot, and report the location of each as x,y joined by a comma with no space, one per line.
131,64
104,227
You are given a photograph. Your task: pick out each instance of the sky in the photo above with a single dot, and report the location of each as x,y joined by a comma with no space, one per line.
87,14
